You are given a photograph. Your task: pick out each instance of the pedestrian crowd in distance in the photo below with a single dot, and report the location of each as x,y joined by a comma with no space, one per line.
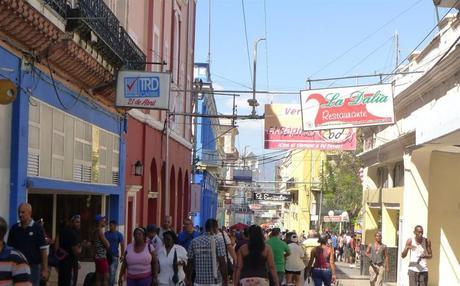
244,256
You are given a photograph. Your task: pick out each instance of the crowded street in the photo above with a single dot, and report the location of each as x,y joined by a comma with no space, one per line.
229,142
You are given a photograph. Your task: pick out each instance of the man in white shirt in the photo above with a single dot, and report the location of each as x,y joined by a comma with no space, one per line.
420,251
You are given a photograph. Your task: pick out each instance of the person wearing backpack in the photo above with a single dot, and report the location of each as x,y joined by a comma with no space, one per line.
321,265
420,251
140,262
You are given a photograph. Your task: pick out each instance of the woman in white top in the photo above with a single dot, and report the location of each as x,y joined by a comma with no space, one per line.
295,261
172,259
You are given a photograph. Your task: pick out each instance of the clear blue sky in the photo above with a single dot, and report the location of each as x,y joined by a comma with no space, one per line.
302,37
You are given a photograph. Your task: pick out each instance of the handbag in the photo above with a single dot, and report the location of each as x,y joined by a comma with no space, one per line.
229,263
175,277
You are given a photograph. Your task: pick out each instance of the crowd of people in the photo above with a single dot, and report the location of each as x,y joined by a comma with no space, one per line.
192,256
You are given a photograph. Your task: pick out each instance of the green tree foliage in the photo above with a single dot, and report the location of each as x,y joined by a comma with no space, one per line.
342,189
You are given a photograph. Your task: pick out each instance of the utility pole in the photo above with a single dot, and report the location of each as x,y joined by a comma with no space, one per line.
253,102
167,194
397,49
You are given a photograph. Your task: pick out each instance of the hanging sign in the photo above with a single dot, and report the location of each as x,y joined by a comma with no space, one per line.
347,107
146,90
283,130
274,197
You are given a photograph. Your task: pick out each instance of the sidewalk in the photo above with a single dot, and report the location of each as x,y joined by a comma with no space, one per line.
350,276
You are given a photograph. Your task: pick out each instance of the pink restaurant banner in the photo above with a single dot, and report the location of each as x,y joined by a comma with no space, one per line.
283,130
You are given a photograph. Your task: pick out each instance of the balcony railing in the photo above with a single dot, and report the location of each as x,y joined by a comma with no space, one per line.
113,42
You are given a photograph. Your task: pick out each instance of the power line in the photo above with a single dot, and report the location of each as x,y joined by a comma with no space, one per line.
232,81
246,36
364,59
365,38
426,37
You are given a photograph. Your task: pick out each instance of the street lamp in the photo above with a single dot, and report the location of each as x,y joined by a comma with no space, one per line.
138,168
330,213
253,102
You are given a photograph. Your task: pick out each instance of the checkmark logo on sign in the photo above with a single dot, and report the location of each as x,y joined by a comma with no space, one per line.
130,85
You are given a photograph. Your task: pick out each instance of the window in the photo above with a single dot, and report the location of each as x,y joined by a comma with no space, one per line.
382,175
398,174
64,147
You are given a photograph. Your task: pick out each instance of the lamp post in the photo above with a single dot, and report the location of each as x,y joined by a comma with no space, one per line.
253,102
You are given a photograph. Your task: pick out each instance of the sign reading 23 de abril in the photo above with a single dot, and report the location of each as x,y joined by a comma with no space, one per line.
147,90
347,107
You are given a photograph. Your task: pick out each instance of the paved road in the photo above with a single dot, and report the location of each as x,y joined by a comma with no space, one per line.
350,276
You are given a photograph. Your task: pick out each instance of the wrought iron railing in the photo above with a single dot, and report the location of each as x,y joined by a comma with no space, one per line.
113,42
60,6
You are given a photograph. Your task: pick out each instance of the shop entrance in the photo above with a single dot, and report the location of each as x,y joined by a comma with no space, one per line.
56,210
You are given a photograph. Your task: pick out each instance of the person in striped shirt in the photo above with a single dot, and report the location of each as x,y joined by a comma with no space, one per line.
14,269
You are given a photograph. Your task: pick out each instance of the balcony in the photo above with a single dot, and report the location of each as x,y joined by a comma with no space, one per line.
391,196
113,42
211,158
84,44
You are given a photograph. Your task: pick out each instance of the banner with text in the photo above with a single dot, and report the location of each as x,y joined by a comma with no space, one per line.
283,130
272,197
347,107
147,90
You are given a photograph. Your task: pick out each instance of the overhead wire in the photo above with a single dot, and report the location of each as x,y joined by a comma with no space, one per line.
232,81
364,59
424,38
365,38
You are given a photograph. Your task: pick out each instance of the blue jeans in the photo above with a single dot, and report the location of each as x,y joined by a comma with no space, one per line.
113,271
281,277
321,276
35,274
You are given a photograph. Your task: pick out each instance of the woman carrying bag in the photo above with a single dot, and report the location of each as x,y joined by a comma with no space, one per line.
172,258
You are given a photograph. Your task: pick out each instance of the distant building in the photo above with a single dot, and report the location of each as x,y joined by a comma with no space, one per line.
301,172
208,158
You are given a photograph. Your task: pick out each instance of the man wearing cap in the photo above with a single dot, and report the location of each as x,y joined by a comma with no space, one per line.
28,237
280,251
68,252
115,239
153,238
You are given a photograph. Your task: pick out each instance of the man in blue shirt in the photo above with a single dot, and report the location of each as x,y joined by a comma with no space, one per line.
115,239
187,234
335,244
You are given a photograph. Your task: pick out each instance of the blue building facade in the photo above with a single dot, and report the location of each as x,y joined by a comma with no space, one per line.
206,158
67,150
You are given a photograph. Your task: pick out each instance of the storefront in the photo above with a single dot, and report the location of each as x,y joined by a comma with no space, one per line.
67,152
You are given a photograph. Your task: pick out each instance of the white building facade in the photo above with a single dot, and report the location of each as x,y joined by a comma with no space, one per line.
418,159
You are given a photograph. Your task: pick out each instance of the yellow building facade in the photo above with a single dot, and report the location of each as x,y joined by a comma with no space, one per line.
302,172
